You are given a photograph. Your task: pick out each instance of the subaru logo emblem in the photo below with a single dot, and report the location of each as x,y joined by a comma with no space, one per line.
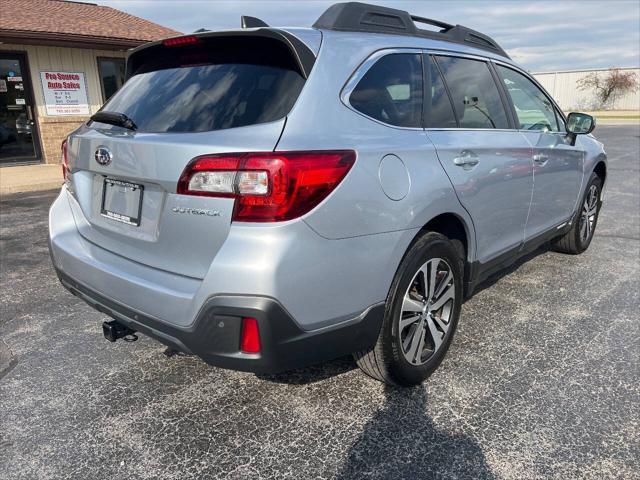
103,156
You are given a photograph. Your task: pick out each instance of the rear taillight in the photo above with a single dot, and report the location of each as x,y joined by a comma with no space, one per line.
65,160
268,186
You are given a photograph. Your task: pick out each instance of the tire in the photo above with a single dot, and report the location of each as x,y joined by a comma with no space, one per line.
578,239
402,354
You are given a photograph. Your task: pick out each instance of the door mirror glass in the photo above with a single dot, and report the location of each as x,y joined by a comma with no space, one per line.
580,123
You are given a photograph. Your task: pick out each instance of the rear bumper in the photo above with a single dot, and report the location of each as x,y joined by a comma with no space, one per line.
215,335
311,321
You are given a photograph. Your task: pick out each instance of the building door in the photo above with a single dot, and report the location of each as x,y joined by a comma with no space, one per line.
18,135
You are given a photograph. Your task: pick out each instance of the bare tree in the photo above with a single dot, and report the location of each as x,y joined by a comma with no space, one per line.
609,87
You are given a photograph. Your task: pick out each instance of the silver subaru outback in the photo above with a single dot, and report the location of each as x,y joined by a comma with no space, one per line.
268,198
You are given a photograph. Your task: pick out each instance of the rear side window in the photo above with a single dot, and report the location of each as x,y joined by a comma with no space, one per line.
533,109
475,95
391,90
214,85
438,109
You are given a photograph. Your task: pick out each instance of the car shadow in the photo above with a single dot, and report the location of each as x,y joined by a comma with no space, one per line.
401,441
312,374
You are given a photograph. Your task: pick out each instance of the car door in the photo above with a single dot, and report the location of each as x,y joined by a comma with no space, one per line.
557,165
488,162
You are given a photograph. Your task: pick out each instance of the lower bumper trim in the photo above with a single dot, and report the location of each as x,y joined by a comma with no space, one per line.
215,335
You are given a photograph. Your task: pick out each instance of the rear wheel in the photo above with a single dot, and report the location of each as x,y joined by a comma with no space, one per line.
578,239
421,314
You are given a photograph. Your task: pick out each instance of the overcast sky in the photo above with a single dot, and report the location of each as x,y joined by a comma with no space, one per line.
542,35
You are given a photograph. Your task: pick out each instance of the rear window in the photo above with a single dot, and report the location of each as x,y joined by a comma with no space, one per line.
217,84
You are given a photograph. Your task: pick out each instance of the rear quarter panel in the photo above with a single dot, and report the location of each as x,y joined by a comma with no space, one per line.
320,120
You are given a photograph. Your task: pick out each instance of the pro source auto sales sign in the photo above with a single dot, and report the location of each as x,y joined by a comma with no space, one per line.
65,93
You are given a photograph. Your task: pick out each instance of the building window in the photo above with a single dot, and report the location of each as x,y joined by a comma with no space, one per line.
111,72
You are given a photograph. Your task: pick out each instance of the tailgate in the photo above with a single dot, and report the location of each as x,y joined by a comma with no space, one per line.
186,97
176,233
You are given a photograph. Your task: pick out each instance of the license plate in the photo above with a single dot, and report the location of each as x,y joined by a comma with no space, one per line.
122,201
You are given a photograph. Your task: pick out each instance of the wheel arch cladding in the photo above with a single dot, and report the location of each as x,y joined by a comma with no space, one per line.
453,227
601,170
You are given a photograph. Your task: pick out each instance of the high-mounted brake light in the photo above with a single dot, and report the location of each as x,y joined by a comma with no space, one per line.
268,186
64,160
180,41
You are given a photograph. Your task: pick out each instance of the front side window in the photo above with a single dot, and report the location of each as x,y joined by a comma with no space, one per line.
111,72
391,90
474,93
533,109
561,125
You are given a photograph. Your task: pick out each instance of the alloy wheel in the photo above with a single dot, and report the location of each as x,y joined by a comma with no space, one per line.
588,214
427,311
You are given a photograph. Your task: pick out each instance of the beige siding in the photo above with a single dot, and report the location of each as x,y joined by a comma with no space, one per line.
65,60
563,86
53,129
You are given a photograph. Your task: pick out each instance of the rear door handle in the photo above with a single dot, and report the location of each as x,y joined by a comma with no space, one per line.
540,158
467,160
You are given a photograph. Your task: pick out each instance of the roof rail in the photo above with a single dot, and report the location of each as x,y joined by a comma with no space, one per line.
363,17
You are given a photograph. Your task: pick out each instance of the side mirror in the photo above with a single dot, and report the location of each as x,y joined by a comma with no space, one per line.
580,123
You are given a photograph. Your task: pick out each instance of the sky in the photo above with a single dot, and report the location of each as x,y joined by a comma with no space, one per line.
541,35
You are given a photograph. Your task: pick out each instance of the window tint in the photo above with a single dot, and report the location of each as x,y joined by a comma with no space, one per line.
475,95
391,90
213,86
533,109
111,72
439,111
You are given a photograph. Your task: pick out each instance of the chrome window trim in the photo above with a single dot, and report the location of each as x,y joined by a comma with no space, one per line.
436,129
452,53
362,69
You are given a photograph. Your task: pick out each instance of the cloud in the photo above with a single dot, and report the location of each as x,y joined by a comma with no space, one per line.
541,35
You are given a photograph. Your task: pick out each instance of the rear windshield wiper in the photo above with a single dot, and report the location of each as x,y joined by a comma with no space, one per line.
114,118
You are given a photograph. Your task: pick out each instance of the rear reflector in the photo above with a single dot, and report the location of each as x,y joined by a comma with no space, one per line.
268,186
180,41
250,337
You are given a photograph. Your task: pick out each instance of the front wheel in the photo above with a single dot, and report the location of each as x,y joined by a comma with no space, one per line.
421,314
578,239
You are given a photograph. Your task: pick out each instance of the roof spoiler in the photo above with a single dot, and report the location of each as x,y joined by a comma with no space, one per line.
304,56
362,17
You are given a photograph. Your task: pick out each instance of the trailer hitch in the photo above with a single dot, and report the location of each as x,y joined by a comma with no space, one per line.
114,330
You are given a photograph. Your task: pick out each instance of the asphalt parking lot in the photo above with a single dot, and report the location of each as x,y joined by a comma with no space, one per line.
542,380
